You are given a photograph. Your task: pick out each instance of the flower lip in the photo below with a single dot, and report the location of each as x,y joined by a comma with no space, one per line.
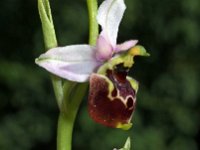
112,106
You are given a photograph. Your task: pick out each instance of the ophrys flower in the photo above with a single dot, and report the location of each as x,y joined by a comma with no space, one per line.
112,93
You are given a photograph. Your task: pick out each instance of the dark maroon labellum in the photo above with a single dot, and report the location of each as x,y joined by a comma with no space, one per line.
111,107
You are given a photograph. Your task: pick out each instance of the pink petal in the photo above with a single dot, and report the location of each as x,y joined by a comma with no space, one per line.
104,49
75,62
125,46
109,17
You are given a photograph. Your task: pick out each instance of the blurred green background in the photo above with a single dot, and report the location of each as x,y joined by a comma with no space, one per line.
168,103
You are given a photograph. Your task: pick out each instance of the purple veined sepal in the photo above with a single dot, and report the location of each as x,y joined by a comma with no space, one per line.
112,95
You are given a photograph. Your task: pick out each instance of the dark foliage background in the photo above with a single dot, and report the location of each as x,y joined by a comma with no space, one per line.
168,108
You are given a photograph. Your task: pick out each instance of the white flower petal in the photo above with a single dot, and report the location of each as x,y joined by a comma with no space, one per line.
75,62
126,45
109,17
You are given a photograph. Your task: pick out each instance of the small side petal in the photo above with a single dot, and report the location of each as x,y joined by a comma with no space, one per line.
75,62
109,17
126,45
104,49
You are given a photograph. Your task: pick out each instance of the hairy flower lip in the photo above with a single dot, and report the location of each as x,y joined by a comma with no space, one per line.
112,107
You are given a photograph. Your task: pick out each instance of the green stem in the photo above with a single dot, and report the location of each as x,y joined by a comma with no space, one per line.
67,118
93,25
64,132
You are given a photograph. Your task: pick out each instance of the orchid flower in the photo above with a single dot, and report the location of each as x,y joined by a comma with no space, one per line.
112,94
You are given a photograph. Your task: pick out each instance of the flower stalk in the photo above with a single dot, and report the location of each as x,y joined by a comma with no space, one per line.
93,25
67,118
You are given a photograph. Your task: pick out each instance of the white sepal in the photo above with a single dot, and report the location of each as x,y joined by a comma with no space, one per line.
109,17
75,62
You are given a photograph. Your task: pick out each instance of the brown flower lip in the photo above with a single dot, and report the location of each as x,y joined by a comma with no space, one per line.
111,107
